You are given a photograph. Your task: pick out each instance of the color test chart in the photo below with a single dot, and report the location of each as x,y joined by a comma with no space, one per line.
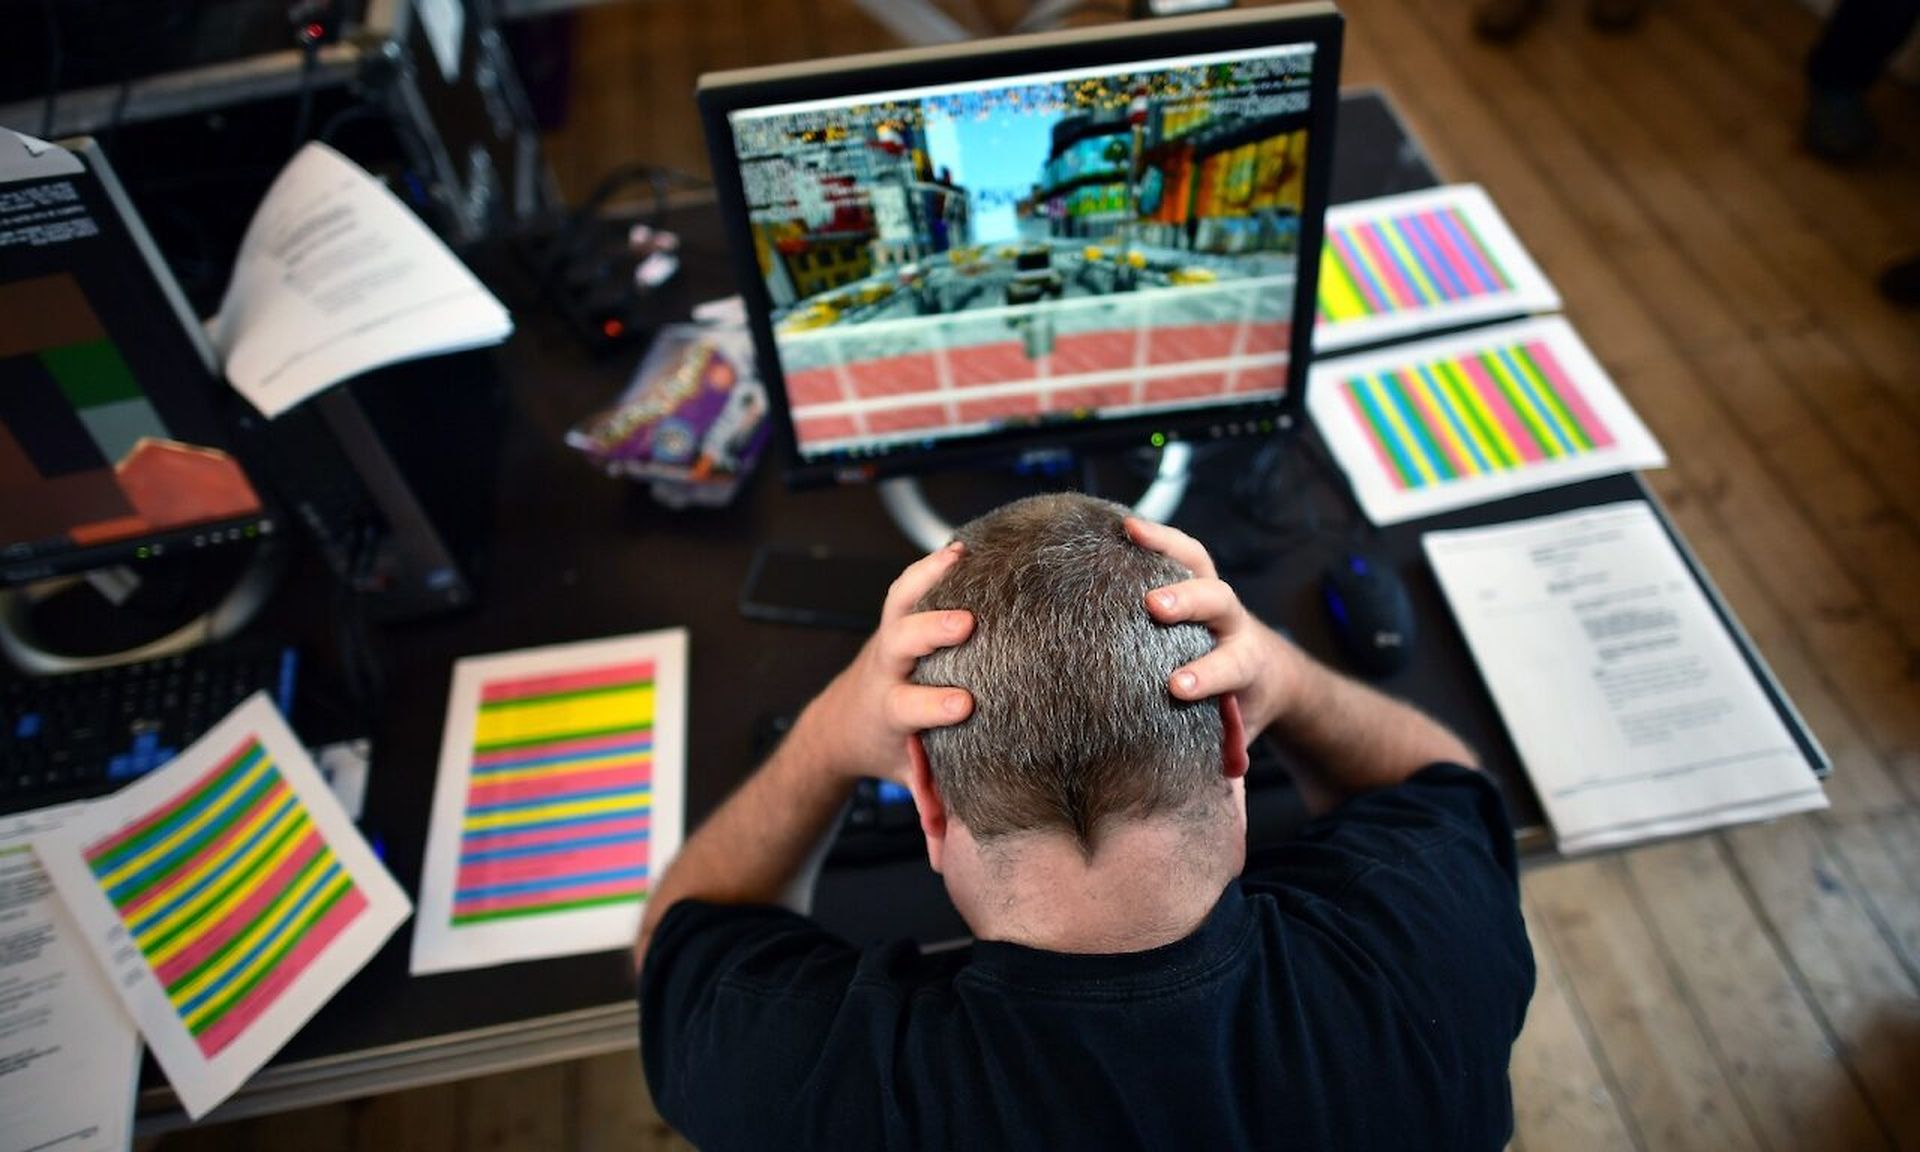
1423,428
558,802
1420,261
228,896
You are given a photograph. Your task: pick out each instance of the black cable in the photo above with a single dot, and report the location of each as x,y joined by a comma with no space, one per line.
309,62
566,240
56,62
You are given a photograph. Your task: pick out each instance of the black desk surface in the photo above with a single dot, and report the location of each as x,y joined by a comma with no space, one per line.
576,555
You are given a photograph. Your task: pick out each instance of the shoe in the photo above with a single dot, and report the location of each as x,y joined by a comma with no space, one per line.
1839,125
1615,15
1499,21
1900,283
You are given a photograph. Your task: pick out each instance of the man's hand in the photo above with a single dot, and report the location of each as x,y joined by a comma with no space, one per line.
859,725
1249,659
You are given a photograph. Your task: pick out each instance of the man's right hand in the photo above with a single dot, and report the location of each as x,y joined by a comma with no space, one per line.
1250,660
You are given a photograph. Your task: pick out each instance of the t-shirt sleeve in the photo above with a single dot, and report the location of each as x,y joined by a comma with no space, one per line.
1419,883
737,1004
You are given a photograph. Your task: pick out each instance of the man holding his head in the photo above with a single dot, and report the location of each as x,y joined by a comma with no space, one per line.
1069,695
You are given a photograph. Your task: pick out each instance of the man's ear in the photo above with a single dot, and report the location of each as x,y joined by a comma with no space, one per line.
1233,738
926,800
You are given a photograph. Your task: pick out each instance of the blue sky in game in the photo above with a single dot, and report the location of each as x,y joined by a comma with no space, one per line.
996,159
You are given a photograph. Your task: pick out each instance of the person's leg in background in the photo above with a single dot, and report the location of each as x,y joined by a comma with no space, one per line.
1859,39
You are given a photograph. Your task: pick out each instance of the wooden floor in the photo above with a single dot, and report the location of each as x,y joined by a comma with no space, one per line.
1753,990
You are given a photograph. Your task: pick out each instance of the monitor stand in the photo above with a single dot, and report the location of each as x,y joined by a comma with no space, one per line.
902,497
119,615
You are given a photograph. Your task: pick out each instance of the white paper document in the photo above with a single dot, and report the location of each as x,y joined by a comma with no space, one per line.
336,277
69,1056
1454,421
226,896
1417,262
560,800
1628,699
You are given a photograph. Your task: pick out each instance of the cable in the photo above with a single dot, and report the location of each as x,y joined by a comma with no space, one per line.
309,62
56,62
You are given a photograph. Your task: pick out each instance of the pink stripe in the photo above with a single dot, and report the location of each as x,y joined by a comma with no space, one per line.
632,774
1396,281
558,748
243,915
567,681
1462,267
525,869
619,827
1387,465
1357,271
1571,396
275,792
323,932
102,847
537,899
1496,402
1438,427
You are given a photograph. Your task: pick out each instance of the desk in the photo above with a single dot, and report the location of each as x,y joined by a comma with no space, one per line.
576,556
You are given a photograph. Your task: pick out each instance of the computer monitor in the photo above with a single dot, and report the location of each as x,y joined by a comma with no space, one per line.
113,446
1104,236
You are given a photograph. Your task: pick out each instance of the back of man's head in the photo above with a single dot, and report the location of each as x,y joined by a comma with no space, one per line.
1072,725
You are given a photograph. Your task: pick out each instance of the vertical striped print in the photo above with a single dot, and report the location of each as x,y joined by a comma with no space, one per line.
1498,410
229,891
559,795
1399,263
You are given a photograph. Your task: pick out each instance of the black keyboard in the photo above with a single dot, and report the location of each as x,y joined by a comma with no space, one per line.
87,733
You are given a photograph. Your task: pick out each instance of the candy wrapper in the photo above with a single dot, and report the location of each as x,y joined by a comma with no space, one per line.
693,421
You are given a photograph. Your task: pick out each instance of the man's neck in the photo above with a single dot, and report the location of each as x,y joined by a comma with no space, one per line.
1148,884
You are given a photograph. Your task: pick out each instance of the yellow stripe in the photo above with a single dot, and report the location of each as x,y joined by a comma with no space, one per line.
519,775
1416,273
1379,274
1415,451
1337,293
1466,398
212,916
490,820
185,832
1555,409
299,925
253,935
1517,396
142,926
565,717
1462,459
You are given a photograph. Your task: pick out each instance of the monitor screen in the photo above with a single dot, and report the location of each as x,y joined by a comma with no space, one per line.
1099,235
111,446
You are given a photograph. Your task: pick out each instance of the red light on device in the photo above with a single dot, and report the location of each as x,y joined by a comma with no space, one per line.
313,33
612,328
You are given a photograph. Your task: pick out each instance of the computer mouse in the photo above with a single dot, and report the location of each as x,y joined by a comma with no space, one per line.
1372,616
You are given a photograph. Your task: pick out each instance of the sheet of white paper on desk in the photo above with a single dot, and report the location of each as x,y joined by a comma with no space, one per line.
336,277
1459,420
559,801
1422,261
69,1055
1632,707
226,896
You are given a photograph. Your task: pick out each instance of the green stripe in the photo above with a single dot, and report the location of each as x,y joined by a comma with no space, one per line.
1429,441
294,932
1486,253
556,697
198,842
1361,389
294,827
1522,407
534,741
1580,435
543,909
274,907
108,861
1460,392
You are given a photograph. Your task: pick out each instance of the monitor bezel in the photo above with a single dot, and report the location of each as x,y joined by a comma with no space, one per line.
29,568
722,93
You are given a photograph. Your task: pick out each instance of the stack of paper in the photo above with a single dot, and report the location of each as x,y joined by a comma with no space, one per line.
337,277
1630,703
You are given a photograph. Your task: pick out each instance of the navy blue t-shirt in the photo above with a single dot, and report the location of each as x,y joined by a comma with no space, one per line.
1360,987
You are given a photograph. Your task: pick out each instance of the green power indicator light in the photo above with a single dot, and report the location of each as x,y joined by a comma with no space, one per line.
143,552
1158,439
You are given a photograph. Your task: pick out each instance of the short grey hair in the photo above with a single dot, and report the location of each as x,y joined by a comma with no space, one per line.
1073,724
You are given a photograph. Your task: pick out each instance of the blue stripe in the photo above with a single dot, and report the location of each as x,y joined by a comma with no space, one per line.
1547,415
1423,436
1431,258
1363,392
1445,400
266,942
551,885
229,800
548,849
216,875
175,821
644,744
563,822
1481,261
556,798
1362,272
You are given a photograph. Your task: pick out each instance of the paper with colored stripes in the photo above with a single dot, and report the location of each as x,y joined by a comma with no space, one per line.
1419,262
227,897
558,803
1458,420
